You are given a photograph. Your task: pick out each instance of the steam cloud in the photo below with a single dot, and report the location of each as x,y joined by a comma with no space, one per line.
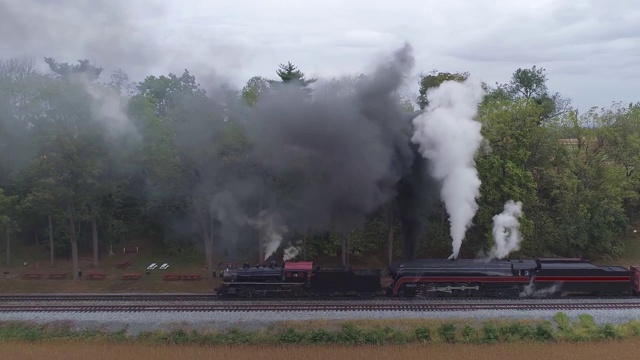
506,230
271,230
290,253
449,137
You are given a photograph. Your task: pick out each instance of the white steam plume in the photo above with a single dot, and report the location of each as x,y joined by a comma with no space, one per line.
271,227
531,291
290,253
109,107
449,137
506,230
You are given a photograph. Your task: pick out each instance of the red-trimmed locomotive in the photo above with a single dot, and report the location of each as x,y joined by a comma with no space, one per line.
511,278
436,277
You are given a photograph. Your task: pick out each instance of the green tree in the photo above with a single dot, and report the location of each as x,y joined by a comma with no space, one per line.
252,90
433,80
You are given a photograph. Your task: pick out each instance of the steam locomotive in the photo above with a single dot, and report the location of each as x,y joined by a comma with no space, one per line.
434,278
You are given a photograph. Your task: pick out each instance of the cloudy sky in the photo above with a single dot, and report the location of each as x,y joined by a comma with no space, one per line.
591,49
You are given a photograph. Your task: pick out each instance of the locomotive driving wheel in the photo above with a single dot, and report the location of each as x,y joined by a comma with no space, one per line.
463,290
429,290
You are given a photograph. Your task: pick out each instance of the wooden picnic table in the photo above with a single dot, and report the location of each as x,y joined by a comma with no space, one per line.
57,276
124,264
172,277
191,277
30,276
133,276
96,276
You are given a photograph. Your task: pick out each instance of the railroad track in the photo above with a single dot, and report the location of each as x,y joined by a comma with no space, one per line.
310,307
107,297
132,297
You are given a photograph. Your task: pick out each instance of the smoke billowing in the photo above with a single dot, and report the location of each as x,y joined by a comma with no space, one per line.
449,137
506,230
344,155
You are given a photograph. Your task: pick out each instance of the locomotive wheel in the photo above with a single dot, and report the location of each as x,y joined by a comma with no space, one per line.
425,293
464,290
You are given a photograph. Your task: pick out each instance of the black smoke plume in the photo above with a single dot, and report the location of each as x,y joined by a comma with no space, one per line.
354,153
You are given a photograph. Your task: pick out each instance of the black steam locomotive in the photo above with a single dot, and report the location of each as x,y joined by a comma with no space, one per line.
435,278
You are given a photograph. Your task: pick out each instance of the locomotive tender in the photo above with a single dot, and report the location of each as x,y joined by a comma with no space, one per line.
434,278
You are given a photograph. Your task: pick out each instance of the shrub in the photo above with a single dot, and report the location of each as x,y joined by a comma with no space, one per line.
517,331
375,336
610,331
490,333
469,334
563,322
400,337
321,337
447,333
291,336
544,332
423,333
350,334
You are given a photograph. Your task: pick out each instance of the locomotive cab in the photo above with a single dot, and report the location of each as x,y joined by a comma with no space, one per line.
526,268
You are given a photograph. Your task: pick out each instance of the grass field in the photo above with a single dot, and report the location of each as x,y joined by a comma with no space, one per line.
619,350
38,262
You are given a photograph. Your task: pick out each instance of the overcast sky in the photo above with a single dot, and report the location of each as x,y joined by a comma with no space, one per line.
591,49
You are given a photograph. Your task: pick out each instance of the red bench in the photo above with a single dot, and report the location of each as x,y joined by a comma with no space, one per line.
96,276
191,277
57,276
31,276
124,264
134,276
172,277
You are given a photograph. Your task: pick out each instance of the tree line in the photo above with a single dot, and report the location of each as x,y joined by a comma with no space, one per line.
91,164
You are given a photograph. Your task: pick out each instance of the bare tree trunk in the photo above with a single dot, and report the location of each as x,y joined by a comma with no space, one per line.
74,256
207,237
344,250
208,249
347,248
73,235
51,250
390,235
8,247
304,244
260,234
94,233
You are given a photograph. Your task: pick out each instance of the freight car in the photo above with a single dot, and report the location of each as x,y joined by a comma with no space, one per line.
435,278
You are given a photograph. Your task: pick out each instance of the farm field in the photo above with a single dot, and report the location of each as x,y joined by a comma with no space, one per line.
619,350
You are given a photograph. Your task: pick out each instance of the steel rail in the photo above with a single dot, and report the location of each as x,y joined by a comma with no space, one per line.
166,297
310,307
106,297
